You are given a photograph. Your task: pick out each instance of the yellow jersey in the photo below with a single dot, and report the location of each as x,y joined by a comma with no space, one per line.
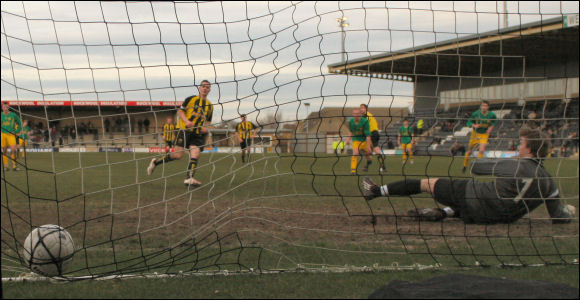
169,132
244,129
196,110
373,125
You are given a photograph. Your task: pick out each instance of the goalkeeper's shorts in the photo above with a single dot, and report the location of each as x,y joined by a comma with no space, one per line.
451,193
8,140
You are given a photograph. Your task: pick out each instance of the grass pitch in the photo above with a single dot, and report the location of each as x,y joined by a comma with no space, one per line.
275,213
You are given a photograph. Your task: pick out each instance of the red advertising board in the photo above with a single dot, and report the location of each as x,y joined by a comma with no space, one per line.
91,103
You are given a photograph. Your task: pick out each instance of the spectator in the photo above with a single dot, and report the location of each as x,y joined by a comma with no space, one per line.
146,124
126,124
419,127
390,144
457,149
53,135
119,123
45,134
571,143
36,138
436,142
107,125
551,136
140,124
73,135
512,146
90,127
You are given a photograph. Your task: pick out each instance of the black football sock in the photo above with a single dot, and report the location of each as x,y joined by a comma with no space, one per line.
191,167
164,159
381,160
404,187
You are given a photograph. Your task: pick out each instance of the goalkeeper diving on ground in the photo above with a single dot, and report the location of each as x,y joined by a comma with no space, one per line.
520,186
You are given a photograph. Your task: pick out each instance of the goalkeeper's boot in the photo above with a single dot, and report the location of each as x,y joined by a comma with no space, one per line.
567,214
151,167
371,189
192,182
427,214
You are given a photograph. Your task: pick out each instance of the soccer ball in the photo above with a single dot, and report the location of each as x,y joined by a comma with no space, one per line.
48,250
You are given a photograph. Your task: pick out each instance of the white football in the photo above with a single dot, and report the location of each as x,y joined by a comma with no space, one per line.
48,250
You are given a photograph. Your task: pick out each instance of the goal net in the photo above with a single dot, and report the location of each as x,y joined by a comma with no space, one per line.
97,81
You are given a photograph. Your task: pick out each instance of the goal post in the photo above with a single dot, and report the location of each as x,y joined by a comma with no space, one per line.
97,82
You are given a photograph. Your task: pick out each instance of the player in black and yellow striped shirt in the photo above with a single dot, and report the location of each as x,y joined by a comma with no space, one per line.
195,115
169,134
245,132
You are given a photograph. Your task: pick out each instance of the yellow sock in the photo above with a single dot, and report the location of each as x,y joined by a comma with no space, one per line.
13,155
466,160
5,159
353,163
480,154
410,155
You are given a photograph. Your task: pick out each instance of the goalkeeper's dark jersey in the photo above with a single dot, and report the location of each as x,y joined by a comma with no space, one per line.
518,187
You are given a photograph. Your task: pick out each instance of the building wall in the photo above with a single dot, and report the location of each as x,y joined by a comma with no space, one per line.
427,89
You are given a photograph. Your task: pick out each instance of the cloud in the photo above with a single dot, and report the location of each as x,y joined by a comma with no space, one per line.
257,54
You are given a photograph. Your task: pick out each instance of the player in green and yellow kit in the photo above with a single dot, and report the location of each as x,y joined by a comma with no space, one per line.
482,121
406,139
361,139
23,138
11,125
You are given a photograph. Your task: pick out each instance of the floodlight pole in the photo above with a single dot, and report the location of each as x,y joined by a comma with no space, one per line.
505,15
342,23
307,133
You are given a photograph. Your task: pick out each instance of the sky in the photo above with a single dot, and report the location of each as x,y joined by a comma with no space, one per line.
260,56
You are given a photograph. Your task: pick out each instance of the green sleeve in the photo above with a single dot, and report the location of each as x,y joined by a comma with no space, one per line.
367,128
471,118
19,122
494,119
350,123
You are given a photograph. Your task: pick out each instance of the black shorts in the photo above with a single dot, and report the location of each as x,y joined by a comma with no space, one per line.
246,143
169,144
451,193
186,138
375,137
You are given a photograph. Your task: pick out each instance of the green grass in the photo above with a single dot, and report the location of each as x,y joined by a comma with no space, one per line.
275,213
304,285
